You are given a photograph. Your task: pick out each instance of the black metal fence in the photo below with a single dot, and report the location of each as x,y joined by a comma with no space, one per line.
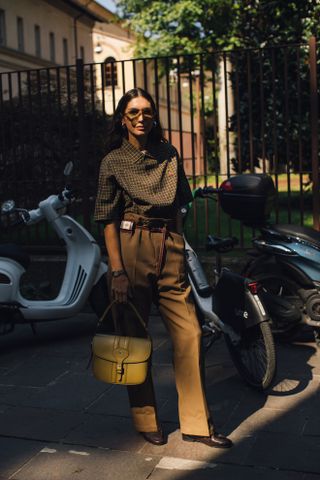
226,112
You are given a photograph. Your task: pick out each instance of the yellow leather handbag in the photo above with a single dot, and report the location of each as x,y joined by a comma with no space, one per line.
118,359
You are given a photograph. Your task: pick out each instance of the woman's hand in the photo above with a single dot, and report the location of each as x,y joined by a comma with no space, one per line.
120,288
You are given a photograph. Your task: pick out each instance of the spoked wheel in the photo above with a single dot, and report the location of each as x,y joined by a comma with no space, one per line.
254,355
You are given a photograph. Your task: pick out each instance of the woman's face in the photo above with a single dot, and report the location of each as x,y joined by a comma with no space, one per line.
138,118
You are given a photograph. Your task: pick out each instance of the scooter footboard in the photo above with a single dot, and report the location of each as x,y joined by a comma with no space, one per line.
236,304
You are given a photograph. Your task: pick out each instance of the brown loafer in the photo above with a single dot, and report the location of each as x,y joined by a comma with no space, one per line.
216,440
156,438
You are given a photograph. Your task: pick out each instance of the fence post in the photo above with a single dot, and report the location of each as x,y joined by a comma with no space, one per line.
314,130
83,145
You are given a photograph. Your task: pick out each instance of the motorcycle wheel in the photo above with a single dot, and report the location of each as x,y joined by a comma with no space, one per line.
273,281
254,356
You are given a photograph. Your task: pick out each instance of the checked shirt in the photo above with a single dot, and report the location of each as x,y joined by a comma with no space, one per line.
150,183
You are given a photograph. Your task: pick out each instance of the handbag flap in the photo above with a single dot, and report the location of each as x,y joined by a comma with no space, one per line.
115,347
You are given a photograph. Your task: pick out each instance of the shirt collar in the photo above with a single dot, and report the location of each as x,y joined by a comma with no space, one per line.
134,153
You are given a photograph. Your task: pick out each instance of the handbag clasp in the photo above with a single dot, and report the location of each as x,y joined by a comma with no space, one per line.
120,354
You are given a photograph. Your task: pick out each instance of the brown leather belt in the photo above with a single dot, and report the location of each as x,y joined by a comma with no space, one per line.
153,224
162,226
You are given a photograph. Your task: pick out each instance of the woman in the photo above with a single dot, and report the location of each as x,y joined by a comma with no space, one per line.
141,187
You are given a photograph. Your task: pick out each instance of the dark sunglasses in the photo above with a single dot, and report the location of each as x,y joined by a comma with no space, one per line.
135,113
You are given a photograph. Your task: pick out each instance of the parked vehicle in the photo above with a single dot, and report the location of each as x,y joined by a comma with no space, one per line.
286,262
85,273
285,259
232,308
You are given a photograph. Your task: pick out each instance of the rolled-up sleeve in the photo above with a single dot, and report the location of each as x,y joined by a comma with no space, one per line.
109,196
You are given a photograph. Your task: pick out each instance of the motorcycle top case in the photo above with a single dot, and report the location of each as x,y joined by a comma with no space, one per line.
248,197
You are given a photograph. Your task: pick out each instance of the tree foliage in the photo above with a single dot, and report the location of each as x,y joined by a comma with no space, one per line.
165,27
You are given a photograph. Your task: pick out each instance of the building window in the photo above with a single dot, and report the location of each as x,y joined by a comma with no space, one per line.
111,72
3,39
52,47
65,51
37,40
82,53
20,33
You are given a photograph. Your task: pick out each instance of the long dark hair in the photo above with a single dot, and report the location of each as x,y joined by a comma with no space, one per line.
116,132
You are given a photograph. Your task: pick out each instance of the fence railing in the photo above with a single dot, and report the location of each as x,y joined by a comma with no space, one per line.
226,112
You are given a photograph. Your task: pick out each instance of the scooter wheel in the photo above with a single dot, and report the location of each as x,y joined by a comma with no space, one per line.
254,355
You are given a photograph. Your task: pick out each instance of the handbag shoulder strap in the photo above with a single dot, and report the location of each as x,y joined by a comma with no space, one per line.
107,310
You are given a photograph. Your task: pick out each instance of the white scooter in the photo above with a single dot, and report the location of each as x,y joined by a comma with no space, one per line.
85,273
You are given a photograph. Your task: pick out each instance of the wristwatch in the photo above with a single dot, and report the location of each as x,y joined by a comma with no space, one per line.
117,273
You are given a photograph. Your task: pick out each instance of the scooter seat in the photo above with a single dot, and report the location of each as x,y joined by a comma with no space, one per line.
302,233
9,250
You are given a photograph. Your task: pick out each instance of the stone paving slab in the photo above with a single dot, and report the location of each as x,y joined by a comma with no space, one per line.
14,453
174,469
113,401
58,462
106,431
276,413
312,426
69,391
298,359
267,420
293,394
32,372
69,338
37,424
282,450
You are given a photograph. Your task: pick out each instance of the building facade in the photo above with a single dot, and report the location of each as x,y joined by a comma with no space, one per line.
44,33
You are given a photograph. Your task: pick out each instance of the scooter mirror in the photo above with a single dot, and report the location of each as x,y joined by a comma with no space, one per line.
8,206
68,169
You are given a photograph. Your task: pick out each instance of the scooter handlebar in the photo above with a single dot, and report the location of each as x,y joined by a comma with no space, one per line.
19,216
66,195
55,201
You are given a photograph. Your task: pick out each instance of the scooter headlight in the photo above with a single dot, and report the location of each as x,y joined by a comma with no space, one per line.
7,206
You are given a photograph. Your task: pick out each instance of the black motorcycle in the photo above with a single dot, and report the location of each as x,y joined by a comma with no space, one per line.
285,259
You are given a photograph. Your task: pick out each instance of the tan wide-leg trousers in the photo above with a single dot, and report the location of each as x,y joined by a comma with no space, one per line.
169,290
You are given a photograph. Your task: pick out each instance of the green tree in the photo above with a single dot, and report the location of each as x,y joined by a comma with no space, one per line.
166,27
263,23
278,84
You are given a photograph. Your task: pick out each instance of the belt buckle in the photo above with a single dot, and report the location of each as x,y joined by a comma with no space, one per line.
126,225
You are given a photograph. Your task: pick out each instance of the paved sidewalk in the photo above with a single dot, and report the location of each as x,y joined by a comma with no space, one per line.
58,423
